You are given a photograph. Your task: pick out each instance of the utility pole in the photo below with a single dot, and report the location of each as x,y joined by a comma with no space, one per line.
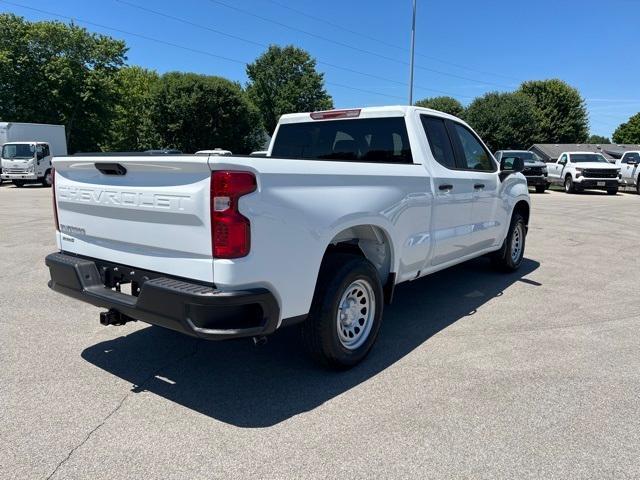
413,41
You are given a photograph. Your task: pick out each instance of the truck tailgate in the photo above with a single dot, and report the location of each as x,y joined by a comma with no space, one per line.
151,213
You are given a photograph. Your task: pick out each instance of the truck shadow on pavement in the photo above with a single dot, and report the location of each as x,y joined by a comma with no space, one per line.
255,387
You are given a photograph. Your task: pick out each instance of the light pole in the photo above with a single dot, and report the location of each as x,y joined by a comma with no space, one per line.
413,40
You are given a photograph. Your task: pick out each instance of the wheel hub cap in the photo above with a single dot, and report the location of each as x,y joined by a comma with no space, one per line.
356,311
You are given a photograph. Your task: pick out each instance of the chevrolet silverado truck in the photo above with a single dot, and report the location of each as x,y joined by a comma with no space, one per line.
629,171
578,171
346,205
535,170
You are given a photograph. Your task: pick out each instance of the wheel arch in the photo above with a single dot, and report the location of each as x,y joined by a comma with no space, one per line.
372,242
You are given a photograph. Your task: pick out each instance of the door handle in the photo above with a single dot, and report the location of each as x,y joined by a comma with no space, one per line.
478,186
446,186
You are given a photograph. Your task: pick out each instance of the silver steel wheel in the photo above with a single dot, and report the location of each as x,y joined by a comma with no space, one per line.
517,240
356,311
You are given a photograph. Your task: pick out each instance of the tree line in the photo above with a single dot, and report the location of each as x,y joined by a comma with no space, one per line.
540,111
52,72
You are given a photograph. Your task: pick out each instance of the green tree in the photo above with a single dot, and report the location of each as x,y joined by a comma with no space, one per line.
285,80
628,132
443,104
132,128
504,120
51,72
193,112
562,111
598,139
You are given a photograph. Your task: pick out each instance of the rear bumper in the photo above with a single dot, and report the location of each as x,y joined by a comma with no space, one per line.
191,308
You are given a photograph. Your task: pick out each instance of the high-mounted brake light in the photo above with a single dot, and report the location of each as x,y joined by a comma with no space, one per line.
230,230
329,114
55,204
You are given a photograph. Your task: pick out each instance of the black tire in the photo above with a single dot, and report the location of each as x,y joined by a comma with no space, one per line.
504,259
638,186
569,187
540,188
320,330
46,180
18,183
612,191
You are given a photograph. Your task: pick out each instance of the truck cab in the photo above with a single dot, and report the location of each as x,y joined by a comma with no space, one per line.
628,165
26,162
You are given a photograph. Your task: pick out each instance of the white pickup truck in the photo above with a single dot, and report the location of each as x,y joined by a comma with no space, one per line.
347,204
578,171
629,170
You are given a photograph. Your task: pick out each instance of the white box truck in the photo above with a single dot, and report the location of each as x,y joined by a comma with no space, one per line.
27,149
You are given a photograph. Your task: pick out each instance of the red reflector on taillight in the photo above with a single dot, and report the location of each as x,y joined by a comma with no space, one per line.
230,230
53,191
328,114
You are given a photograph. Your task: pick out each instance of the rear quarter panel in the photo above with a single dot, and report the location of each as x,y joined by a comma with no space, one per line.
301,205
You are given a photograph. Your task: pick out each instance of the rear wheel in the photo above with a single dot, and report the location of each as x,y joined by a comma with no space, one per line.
18,183
509,257
540,188
346,312
568,185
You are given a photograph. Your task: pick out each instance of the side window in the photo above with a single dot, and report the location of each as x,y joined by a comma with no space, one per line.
630,157
45,150
562,160
439,140
475,156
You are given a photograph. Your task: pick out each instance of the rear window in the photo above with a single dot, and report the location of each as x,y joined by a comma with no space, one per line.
382,140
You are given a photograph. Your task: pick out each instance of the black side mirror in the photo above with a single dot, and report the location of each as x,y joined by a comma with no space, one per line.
510,165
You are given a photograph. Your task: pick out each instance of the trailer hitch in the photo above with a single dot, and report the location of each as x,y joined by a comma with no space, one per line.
114,317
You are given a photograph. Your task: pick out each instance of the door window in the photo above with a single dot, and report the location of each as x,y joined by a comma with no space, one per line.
631,157
439,141
562,160
473,154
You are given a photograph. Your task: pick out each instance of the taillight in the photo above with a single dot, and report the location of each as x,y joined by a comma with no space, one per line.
53,190
230,230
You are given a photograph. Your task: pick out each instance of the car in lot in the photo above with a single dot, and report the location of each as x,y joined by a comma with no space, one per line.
535,170
348,204
628,165
578,171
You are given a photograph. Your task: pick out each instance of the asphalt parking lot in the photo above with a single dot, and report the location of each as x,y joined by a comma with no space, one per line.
476,374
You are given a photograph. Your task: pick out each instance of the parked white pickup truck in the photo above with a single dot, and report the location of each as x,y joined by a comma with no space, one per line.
347,204
628,165
581,170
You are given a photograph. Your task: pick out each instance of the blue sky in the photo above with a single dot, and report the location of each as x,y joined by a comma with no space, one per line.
463,48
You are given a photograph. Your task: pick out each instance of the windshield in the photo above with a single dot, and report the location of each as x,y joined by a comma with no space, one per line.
18,150
588,157
527,157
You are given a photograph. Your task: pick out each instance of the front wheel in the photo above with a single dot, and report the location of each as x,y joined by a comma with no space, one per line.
47,179
540,188
638,186
509,257
612,191
18,183
568,185
346,312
